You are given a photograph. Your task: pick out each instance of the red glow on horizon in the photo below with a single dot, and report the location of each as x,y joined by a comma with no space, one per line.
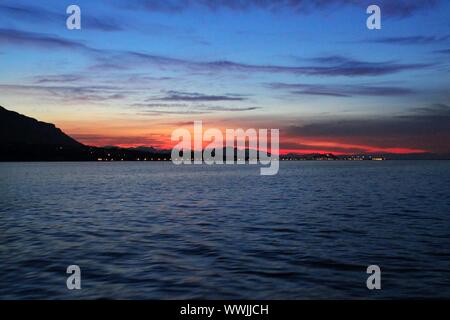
323,147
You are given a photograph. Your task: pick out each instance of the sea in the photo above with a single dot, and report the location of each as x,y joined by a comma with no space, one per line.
154,230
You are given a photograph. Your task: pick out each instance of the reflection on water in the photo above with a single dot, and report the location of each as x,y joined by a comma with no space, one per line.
157,231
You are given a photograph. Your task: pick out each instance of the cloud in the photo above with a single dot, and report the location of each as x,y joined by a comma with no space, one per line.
145,78
41,41
346,68
160,105
340,90
331,66
398,8
184,108
170,112
219,108
197,97
411,40
135,81
86,93
437,109
403,8
34,14
425,128
61,78
125,60
27,13
444,51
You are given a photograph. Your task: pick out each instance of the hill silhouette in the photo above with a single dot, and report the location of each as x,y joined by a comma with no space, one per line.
19,129
26,139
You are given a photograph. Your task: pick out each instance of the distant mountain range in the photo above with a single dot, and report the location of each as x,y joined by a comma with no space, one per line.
26,139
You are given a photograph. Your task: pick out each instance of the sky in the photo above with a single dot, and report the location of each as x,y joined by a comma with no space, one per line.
137,70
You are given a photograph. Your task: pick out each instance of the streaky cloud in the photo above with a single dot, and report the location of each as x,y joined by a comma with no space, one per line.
73,93
398,8
195,97
60,78
343,91
437,109
42,41
411,40
35,14
443,51
186,108
331,66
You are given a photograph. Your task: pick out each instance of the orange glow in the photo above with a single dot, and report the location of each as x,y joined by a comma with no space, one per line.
156,133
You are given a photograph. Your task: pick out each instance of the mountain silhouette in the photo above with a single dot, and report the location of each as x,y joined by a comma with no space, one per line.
26,139
19,129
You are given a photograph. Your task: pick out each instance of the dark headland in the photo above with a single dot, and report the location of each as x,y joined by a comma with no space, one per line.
26,139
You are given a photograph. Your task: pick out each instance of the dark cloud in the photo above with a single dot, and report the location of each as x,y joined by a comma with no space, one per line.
91,93
425,128
341,90
219,108
181,123
145,78
438,109
333,59
172,112
61,78
335,65
36,14
41,41
444,51
322,66
103,24
130,82
26,13
397,8
402,8
345,68
124,60
411,40
197,97
184,108
160,105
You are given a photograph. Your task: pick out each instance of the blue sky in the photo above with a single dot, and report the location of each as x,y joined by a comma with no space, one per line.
138,69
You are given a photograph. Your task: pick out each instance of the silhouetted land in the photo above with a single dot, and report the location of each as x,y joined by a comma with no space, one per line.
26,139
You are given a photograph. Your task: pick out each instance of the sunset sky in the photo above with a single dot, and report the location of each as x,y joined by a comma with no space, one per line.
140,69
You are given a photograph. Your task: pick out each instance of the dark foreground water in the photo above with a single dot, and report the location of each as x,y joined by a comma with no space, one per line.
159,231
